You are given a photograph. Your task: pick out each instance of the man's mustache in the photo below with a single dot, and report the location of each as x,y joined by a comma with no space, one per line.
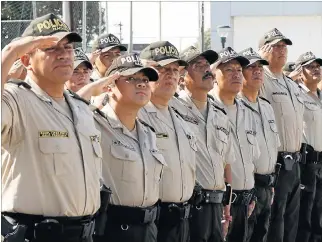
208,74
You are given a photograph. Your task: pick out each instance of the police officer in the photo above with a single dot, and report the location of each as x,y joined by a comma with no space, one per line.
288,68
310,223
214,148
268,140
108,47
51,156
285,98
82,71
175,140
228,70
132,163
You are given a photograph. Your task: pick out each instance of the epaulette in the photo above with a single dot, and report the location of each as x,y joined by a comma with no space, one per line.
20,83
96,110
221,109
264,99
247,105
186,118
146,124
211,97
76,96
176,95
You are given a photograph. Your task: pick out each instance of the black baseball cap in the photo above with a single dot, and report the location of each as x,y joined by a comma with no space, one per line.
51,25
307,58
227,54
273,36
162,52
289,66
106,42
80,57
129,64
191,53
252,56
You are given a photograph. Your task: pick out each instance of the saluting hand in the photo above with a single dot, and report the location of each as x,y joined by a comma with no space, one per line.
93,56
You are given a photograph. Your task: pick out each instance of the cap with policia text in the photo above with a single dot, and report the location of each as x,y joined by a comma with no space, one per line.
273,36
129,64
106,42
191,53
50,25
252,56
162,52
307,58
80,57
227,54
289,67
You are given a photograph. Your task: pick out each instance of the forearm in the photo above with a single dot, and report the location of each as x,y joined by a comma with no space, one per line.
227,174
8,56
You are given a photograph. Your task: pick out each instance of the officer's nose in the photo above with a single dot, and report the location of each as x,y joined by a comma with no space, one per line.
141,85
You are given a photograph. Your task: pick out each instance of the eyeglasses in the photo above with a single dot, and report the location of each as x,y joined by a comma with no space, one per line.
312,66
278,47
135,81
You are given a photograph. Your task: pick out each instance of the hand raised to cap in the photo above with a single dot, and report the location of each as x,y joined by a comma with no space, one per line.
93,56
265,49
26,45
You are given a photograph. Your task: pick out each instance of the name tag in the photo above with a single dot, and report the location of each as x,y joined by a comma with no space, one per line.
162,135
53,134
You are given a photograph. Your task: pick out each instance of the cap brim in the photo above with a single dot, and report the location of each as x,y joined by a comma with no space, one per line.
172,60
122,48
287,41
210,55
151,73
71,36
87,63
318,60
262,61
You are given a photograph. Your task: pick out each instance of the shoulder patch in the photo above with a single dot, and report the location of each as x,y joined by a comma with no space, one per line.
76,96
264,99
20,83
176,95
146,124
221,109
186,118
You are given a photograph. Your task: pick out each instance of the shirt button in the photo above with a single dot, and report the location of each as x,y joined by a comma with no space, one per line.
126,155
146,173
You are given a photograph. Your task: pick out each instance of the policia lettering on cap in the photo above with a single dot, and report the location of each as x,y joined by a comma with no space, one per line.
229,79
175,140
310,222
266,171
287,102
132,163
50,160
214,147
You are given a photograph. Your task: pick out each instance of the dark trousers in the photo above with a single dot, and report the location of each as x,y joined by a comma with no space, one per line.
205,223
310,223
286,206
115,232
171,228
238,228
258,222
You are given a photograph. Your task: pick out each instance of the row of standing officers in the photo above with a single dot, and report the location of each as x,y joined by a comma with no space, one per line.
234,155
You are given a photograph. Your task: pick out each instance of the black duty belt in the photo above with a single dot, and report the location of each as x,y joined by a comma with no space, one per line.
264,180
45,228
177,211
243,197
312,156
212,196
288,159
132,215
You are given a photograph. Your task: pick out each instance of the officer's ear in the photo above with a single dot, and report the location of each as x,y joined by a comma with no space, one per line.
25,60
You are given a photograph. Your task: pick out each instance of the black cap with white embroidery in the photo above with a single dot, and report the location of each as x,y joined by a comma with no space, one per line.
273,36
228,54
252,56
129,64
307,58
106,42
191,53
80,57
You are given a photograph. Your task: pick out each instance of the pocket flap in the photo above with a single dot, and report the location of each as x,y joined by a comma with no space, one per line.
123,153
158,156
280,98
250,138
52,145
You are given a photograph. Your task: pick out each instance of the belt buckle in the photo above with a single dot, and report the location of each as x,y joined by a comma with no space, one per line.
207,197
288,157
186,211
148,215
271,180
88,230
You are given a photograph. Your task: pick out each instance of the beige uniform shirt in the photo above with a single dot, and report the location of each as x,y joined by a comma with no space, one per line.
312,130
214,143
132,166
244,142
267,135
287,102
177,144
95,74
51,164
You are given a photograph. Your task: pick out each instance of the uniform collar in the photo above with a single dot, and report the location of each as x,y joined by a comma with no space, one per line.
150,108
38,91
112,117
270,74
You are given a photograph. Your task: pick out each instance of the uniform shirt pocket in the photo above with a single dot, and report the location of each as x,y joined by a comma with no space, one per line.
222,139
97,149
159,164
130,161
55,155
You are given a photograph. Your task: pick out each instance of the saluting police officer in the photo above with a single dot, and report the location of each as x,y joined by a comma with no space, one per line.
286,100
229,77
310,222
132,162
51,156
214,149
268,140
82,71
175,140
107,48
